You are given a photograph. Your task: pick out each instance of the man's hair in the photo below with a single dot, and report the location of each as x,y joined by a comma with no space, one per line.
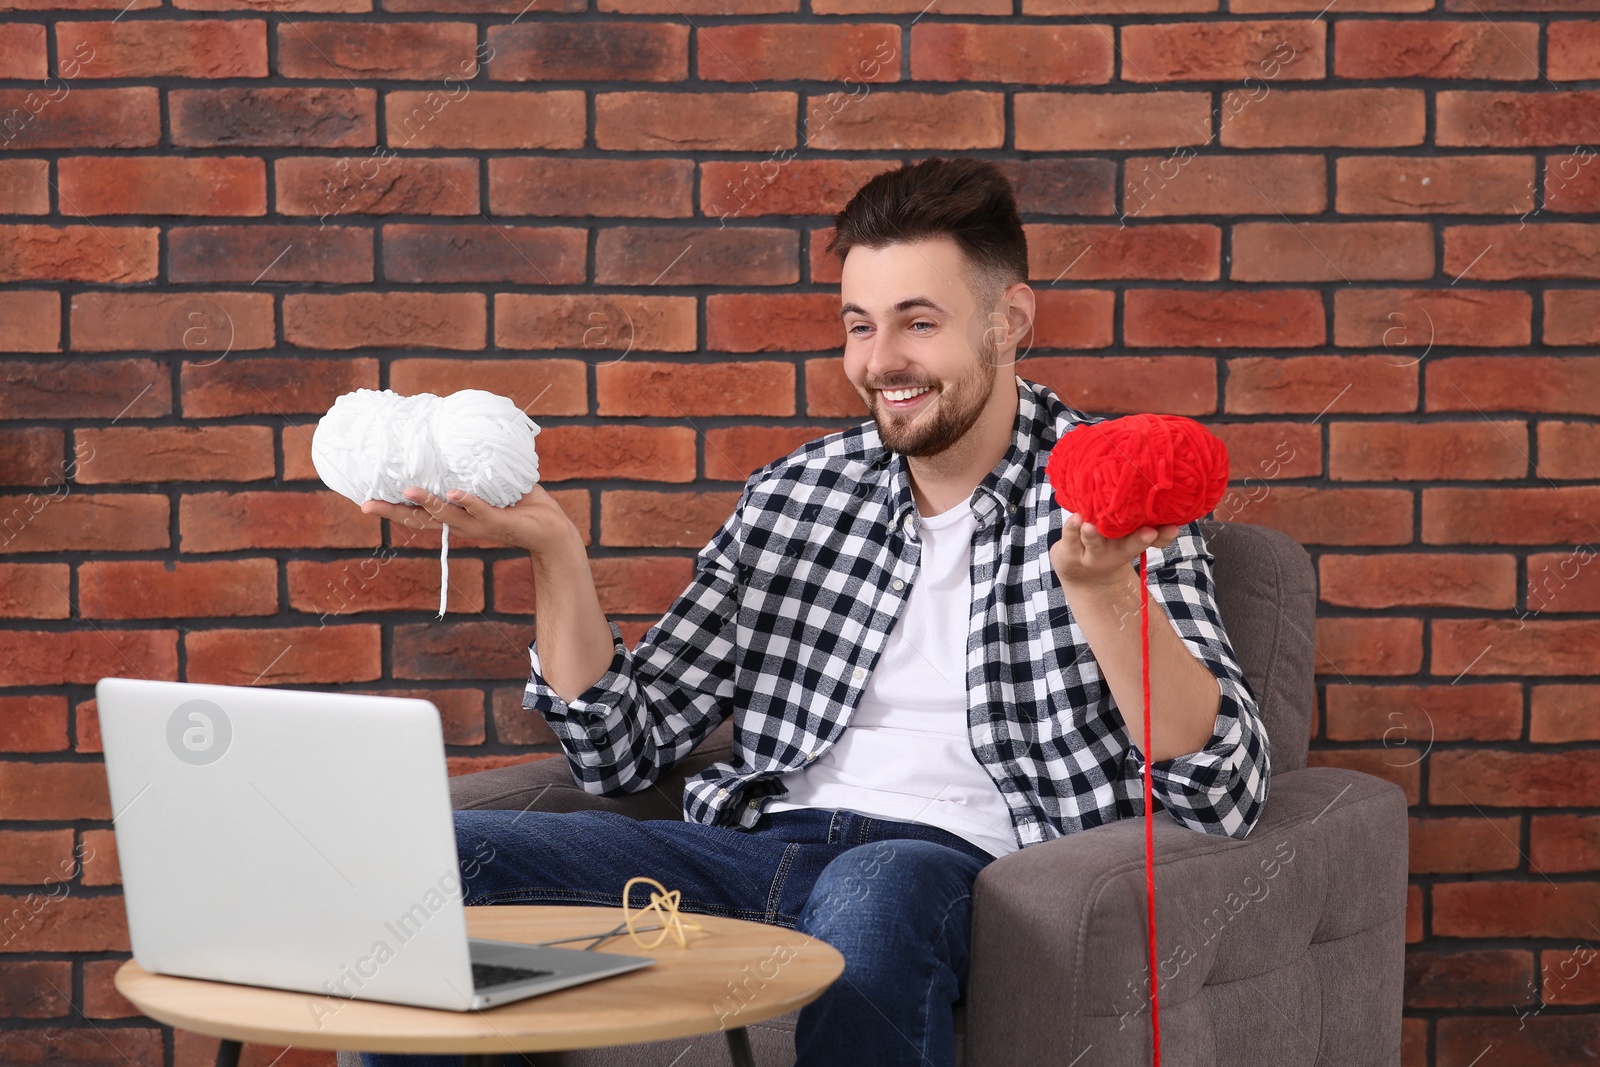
967,199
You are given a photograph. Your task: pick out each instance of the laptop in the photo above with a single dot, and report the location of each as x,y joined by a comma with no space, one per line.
304,841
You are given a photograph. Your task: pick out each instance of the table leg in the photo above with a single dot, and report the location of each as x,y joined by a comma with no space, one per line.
228,1054
739,1048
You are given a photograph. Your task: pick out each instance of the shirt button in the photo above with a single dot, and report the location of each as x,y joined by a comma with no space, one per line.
1011,508
860,673
909,524
898,585
815,754
722,792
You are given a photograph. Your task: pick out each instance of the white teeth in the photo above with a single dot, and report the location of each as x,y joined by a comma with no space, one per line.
903,394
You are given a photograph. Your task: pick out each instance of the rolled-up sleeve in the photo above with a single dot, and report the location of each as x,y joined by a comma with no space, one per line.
1222,788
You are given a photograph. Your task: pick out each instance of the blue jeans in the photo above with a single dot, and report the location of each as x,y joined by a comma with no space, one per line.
893,897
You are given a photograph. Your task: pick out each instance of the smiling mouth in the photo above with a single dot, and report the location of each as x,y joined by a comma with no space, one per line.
907,398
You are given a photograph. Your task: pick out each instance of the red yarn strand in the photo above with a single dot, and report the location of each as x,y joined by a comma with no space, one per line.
1149,813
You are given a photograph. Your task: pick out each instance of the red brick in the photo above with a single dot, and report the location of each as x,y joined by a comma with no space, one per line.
32,724
483,118
1441,185
382,582
1069,122
175,454
595,322
592,188
405,51
153,589
1565,713
1378,763
1568,450
1265,451
1253,52
267,386
1316,516
852,53
776,186
1458,846
591,51
1571,184
110,254
529,255
99,855
626,585
1479,49
1427,451
650,453
35,989
1563,581
460,710
1037,54
83,1046
1409,719
382,184
31,455
1369,646
1184,183
773,322
393,319
537,386
671,255
34,591
747,121
331,254
1414,318
679,390
1071,318
733,453
1180,252
66,522
30,857
30,321
1264,6
1321,117
319,117
24,187
830,394
961,119
1495,978
168,48
172,321
637,518
1566,976
1563,843
22,51
295,655
132,387
1571,317
1511,646
861,7
286,7
76,5
1059,186
1545,250
100,997
1419,580
1509,516
1574,50
221,522
1413,935
1514,909
1513,119
1331,251
1314,384
516,725
52,791
459,765
82,118
1524,384
1179,385
151,184
1279,318
465,650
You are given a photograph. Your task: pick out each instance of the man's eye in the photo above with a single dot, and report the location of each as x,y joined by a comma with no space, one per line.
929,325
859,326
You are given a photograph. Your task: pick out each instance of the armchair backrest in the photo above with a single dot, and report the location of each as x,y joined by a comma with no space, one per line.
1266,590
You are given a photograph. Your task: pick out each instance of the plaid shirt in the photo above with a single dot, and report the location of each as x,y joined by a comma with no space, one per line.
795,595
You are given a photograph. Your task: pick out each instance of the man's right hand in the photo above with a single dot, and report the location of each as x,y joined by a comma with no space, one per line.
535,523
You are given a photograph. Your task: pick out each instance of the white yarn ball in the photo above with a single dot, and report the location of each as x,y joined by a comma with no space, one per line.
373,443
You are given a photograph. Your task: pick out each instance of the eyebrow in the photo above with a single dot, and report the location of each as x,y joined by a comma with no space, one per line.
905,305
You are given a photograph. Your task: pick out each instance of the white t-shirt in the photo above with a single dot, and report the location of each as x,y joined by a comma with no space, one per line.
905,753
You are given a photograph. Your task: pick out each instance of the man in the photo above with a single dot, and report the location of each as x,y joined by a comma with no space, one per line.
928,663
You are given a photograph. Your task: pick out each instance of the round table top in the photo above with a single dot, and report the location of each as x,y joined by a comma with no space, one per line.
731,973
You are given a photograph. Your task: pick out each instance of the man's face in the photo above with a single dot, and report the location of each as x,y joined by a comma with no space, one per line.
940,342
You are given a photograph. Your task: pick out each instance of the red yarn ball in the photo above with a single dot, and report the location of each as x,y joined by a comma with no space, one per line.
1139,470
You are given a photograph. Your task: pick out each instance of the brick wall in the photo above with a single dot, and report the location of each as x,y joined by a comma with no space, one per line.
1358,243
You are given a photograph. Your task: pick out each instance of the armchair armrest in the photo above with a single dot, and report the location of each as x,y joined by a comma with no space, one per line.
1299,927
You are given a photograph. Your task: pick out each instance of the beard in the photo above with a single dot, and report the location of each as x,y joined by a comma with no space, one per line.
945,418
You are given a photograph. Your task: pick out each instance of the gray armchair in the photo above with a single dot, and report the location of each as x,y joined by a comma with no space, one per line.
1285,948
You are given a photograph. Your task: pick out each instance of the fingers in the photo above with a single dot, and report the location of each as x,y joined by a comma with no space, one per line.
415,518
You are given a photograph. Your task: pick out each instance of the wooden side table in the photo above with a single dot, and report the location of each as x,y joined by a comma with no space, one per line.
730,974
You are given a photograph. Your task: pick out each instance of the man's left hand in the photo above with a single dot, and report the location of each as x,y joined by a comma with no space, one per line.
1085,559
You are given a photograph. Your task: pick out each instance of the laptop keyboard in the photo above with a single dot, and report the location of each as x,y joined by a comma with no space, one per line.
488,975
